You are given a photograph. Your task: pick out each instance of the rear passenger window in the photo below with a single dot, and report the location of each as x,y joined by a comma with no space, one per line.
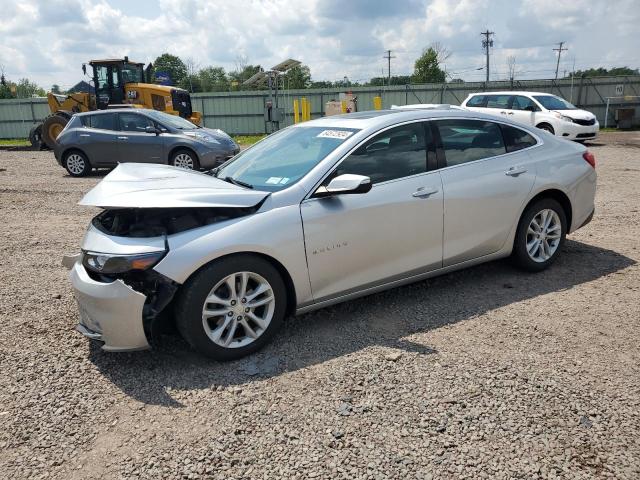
396,153
103,121
516,139
468,140
477,101
498,101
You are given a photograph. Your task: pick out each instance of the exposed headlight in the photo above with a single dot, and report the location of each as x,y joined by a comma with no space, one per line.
563,117
203,137
110,263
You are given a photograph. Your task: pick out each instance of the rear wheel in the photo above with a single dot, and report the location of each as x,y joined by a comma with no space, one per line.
540,236
51,128
232,307
184,158
76,163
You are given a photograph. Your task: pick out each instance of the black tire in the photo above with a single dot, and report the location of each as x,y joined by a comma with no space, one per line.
191,300
51,128
547,128
520,255
76,163
179,157
35,137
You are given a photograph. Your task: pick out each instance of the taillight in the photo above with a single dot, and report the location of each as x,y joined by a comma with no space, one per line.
590,158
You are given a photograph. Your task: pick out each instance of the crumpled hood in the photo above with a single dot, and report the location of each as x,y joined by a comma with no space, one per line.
576,114
142,185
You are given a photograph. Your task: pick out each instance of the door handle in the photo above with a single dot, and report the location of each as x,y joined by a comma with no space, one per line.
510,113
515,171
425,192
123,138
503,113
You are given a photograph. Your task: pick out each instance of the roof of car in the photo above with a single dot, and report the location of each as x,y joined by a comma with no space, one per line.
381,118
512,92
114,110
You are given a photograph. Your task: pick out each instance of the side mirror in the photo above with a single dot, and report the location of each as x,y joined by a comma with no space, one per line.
530,108
346,183
150,129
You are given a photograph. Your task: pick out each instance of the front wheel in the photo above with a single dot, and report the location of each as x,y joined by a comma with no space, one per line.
77,164
232,307
541,233
184,159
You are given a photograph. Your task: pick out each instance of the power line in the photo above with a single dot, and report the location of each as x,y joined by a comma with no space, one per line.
486,43
559,50
389,57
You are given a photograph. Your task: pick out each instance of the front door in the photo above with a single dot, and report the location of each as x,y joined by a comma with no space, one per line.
393,231
524,109
134,143
485,185
99,139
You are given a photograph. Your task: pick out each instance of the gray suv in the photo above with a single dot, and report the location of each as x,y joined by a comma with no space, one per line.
105,138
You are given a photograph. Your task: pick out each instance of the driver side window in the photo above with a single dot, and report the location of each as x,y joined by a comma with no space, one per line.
396,153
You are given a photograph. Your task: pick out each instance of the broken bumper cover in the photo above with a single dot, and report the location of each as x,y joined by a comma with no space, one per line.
109,312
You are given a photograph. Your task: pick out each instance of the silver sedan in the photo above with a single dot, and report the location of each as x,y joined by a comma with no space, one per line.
319,213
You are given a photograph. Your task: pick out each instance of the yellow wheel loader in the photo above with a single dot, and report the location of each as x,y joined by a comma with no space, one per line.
117,83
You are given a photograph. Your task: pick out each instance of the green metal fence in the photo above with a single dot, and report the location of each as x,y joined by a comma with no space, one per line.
243,112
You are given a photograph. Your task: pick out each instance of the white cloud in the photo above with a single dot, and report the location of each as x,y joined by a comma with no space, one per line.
48,40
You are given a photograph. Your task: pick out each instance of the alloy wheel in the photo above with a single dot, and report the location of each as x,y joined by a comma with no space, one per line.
238,309
75,164
183,160
543,235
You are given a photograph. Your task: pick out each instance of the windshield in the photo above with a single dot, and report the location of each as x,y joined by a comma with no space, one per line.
551,102
283,158
171,120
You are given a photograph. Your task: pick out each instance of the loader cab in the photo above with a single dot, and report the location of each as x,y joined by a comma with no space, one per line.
110,78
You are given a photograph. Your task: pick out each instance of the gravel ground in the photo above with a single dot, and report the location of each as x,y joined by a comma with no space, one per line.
484,373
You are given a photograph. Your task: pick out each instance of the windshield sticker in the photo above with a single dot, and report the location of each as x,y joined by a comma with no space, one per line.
284,180
339,134
274,180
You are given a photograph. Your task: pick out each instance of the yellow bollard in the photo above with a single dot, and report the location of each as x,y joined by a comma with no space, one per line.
296,114
308,109
343,106
377,103
303,102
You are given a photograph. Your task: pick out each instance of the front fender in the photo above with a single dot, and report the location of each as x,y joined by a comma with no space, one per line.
276,233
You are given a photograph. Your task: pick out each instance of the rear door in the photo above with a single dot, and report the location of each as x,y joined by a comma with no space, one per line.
134,143
485,184
99,138
394,230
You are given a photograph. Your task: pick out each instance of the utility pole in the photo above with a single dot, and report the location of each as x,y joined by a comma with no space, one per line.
559,50
389,57
486,43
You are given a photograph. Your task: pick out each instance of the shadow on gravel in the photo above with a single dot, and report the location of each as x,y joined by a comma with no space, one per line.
382,319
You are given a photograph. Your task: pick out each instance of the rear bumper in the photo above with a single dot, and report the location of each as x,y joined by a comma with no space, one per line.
108,312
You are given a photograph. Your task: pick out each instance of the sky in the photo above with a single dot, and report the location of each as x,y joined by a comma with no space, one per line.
47,41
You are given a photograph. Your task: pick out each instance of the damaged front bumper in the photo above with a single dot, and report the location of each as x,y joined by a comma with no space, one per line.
110,312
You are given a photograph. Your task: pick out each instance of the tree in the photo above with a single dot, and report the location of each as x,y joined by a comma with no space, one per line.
395,80
55,88
243,73
511,66
427,67
298,77
171,65
603,72
213,79
191,81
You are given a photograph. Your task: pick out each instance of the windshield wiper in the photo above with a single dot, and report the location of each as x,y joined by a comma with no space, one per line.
238,182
